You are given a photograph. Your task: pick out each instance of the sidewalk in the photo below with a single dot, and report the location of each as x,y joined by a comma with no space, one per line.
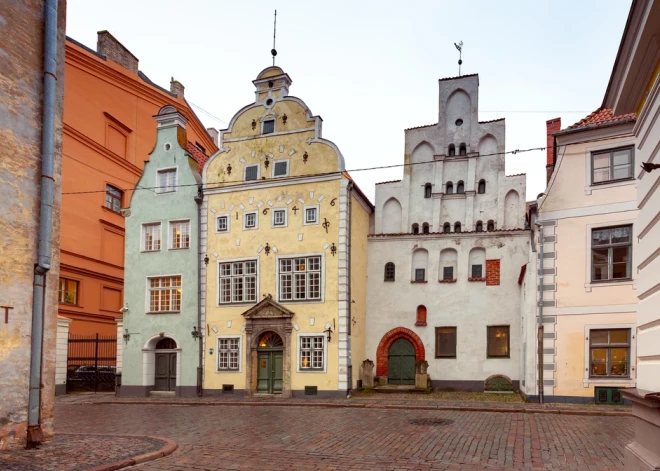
478,402
68,451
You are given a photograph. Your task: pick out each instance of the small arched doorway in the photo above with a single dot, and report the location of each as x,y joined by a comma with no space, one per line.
165,370
270,354
401,362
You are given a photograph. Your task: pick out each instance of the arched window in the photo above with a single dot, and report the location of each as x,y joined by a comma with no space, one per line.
482,187
446,228
462,150
421,315
428,190
490,226
448,259
389,271
420,261
460,187
165,343
450,188
452,150
457,227
480,226
477,262
425,228
415,228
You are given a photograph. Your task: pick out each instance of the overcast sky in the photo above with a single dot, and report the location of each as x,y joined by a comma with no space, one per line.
370,68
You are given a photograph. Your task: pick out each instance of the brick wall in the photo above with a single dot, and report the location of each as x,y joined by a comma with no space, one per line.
108,45
551,127
492,272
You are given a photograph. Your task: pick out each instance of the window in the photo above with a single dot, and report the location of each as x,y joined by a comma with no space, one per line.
477,271
251,220
251,172
312,352
609,352
269,126
450,188
415,228
166,181
611,253
428,190
222,224
452,150
281,168
113,198
611,165
279,218
460,187
425,228
445,342
446,228
462,150
311,215
448,273
480,226
389,271
151,237
165,294
498,341
238,282
229,353
457,227
420,274
482,187
490,226
300,278
180,234
68,291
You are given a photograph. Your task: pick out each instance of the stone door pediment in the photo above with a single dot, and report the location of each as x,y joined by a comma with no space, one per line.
268,309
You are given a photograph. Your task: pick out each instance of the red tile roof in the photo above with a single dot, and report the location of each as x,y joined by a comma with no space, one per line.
199,156
601,117
391,181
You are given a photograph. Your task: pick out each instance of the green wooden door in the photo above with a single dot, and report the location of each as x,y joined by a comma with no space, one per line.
269,372
277,371
165,372
401,363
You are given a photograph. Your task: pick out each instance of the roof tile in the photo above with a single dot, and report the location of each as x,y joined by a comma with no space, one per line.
601,117
199,156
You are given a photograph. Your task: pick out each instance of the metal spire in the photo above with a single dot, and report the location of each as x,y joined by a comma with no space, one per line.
274,51
459,46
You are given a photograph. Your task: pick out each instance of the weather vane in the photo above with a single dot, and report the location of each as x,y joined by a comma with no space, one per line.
274,51
459,46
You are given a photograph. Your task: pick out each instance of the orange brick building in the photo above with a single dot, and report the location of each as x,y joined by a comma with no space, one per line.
109,132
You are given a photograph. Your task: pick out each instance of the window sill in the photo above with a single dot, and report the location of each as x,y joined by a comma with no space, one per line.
418,281
616,382
150,251
105,208
68,304
300,301
245,303
388,281
227,371
162,312
178,248
605,284
300,370
420,324
499,358
609,184
481,278
451,280
446,357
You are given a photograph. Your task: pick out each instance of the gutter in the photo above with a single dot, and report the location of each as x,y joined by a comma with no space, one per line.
202,335
43,265
349,189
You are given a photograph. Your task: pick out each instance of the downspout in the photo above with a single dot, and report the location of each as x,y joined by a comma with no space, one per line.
202,334
349,189
540,304
34,432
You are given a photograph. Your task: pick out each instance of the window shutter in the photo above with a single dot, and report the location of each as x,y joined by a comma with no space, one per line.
281,168
269,126
445,342
251,172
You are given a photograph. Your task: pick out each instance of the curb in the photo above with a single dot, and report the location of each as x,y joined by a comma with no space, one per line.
370,406
167,449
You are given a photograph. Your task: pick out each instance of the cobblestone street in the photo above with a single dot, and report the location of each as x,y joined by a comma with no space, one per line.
263,437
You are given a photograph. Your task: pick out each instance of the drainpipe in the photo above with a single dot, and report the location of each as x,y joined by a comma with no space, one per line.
540,325
202,334
349,323
41,268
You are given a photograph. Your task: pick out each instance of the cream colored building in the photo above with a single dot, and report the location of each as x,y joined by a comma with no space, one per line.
589,214
285,229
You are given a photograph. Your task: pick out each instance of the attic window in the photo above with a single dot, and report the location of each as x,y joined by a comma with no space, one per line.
269,101
452,150
415,228
269,127
462,150
459,122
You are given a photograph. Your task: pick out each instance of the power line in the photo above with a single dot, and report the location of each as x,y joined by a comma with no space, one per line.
207,113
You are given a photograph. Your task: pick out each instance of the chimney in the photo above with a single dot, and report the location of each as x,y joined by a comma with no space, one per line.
112,49
214,134
552,126
177,88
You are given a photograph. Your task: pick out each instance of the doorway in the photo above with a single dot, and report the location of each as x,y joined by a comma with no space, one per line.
165,371
270,355
401,362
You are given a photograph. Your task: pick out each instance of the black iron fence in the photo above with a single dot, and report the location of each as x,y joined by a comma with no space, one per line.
91,363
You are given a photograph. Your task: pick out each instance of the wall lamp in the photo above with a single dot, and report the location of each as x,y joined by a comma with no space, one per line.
195,333
328,331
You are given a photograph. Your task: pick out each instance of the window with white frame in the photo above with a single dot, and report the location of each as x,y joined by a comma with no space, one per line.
222,224
312,353
251,172
609,353
151,237
279,218
311,215
229,349
251,220
238,282
300,278
180,234
611,253
166,180
165,294
611,165
281,168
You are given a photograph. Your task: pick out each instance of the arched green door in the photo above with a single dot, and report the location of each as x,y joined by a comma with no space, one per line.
401,363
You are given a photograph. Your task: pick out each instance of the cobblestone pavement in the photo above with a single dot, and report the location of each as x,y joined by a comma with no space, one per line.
328,438
68,452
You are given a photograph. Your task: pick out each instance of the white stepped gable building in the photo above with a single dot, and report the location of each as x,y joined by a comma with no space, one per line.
447,252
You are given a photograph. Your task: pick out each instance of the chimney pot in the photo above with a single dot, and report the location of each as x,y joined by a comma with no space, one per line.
112,49
552,126
177,88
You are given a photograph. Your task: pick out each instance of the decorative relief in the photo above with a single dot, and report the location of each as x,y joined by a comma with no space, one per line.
270,203
326,245
213,210
222,205
281,149
241,160
289,201
215,254
311,195
300,237
238,242
301,201
242,206
296,327
260,248
291,152
321,198
251,200
229,324
260,204
231,207
254,152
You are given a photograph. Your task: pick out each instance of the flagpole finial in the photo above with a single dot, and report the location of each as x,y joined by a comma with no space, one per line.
274,51
459,46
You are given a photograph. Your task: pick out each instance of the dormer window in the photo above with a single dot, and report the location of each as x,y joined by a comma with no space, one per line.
268,126
462,150
428,190
452,150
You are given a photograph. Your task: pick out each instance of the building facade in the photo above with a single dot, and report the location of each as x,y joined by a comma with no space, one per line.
29,267
588,215
285,230
109,132
634,87
446,253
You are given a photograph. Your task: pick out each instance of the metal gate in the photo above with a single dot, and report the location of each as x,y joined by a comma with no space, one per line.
91,363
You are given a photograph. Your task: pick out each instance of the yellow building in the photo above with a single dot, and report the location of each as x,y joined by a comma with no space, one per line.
285,229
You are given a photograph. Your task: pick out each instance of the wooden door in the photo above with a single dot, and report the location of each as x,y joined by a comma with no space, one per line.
401,363
165,374
269,372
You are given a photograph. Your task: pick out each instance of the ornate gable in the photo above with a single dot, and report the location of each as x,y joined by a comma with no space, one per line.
268,309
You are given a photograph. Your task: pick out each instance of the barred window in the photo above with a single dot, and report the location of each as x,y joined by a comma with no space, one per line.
238,282
151,237
228,353
180,234
166,181
281,168
165,294
300,278
311,352
389,271
251,172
